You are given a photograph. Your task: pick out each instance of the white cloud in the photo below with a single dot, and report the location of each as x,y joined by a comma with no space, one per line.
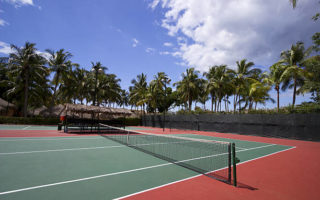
135,42
164,53
154,3
5,48
3,23
150,50
167,44
18,3
46,55
181,64
213,32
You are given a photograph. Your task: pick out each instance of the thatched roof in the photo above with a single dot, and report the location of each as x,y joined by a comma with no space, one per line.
4,104
56,111
37,111
77,108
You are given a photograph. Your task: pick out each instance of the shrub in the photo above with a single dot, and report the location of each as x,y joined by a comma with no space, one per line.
30,120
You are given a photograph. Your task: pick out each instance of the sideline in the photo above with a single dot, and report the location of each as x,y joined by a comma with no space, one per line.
85,148
61,138
26,127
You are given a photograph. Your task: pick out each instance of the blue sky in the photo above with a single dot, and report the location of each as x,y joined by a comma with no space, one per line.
94,31
149,36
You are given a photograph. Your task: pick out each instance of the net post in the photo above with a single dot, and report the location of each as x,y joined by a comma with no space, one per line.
234,163
229,163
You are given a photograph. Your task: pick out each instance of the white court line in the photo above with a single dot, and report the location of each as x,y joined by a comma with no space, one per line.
232,139
68,138
26,127
116,173
57,150
81,179
240,148
83,148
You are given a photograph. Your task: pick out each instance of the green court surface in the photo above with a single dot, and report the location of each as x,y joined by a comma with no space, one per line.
93,167
26,127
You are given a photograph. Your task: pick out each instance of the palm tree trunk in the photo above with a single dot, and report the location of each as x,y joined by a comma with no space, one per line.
215,105
225,104
250,104
54,93
26,90
211,103
294,92
190,103
235,98
239,104
278,98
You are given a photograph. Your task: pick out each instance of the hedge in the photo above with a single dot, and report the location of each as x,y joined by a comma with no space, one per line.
55,121
29,120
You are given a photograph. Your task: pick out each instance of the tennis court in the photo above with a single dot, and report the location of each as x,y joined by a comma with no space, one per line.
95,167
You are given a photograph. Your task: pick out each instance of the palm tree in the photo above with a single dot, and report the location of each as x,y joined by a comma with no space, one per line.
138,92
97,69
60,64
274,78
218,78
82,86
152,97
28,67
161,81
203,93
293,71
124,98
3,77
242,74
67,88
312,82
189,86
210,86
258,88
40,93
109,89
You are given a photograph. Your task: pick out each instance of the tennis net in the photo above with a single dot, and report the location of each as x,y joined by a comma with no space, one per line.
211,158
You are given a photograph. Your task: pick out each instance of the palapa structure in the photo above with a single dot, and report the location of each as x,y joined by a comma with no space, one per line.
84,111
56,111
